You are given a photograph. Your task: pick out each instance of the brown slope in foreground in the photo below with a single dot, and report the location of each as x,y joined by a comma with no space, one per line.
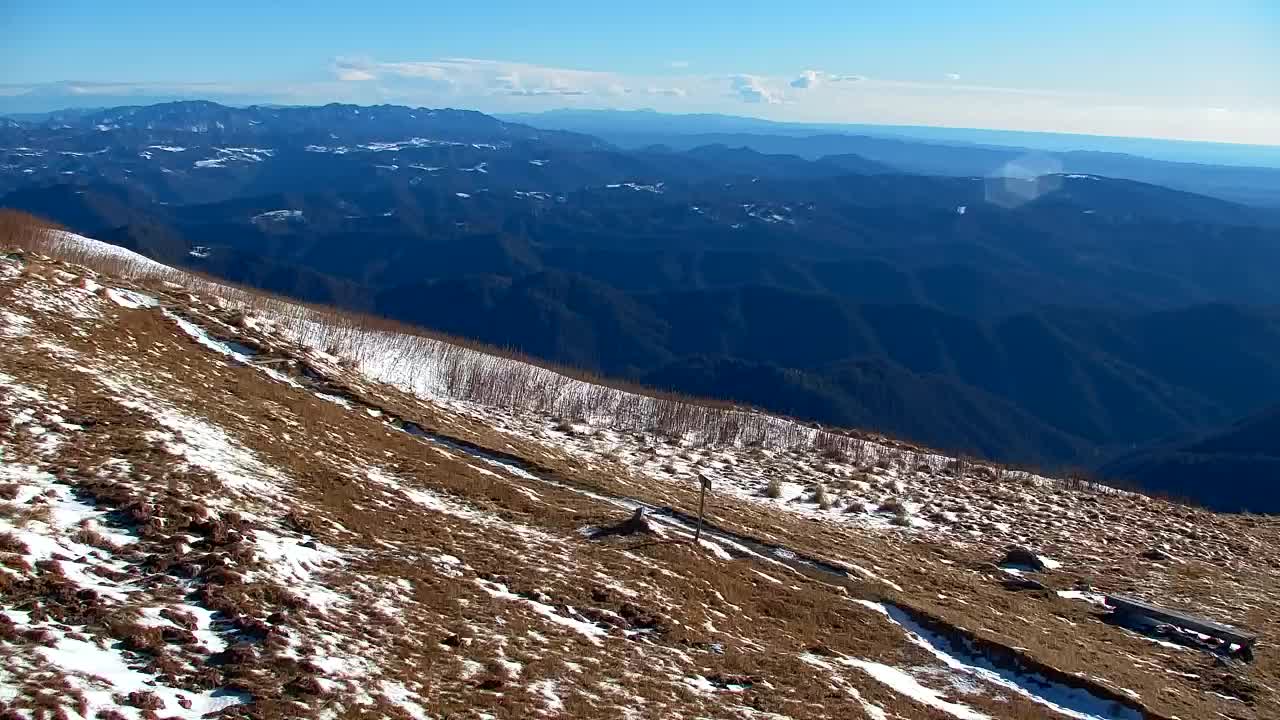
189,525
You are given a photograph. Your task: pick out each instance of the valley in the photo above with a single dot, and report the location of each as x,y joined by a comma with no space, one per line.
1058,321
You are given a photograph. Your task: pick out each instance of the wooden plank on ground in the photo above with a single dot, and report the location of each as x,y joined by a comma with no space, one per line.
1124,603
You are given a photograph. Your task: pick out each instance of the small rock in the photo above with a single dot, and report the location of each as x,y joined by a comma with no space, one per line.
1023,557
636,524
1157,555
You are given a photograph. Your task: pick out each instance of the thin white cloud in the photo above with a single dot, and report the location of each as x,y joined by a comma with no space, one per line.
813,95
678,64
810,79
352,69
472,77
354,75
540,92
752,89
77,88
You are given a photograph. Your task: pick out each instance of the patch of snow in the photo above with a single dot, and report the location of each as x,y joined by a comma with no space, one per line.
95,249
872,576
15,325
1049,563
277,216
334,399
201,443
204,631
131,299
1095,598
295,565
547,689
716,549
591,632
99,673
229,349
770,578
1071,702
400,696
904,684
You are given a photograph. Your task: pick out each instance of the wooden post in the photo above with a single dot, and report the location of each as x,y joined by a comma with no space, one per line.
705,485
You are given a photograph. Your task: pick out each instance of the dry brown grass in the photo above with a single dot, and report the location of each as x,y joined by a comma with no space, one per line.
674,582
9,543
892,505
774,489
93,538
821,497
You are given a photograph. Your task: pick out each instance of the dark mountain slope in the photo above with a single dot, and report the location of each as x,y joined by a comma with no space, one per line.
566,318
1056,367
880,395
633,283
1237,468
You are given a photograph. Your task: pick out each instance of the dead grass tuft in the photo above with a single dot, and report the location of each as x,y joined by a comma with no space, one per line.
144,700
774,489
10,543
136,636
892,505
821,497
93,538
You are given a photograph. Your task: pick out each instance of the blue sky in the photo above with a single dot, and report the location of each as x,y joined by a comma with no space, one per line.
1169,69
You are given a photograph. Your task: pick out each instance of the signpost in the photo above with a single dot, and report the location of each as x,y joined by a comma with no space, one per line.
702,504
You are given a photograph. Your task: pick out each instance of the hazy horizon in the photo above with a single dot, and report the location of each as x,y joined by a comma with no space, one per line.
1146,70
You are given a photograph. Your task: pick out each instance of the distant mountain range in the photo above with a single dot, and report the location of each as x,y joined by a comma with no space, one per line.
1065,318
1242,173
621,123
